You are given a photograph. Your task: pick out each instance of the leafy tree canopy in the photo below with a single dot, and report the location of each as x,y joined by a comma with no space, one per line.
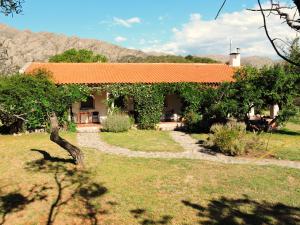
78,56
28,100
11,6
264,87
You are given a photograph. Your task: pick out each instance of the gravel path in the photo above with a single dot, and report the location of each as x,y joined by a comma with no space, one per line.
192,151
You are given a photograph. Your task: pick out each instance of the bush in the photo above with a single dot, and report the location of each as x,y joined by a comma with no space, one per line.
232,139
117,122
72,127
192,121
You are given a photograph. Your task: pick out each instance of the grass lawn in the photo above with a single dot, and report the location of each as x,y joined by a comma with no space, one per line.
39,184
143,140
283,144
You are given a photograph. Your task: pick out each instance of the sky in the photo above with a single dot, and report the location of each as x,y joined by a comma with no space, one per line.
171,26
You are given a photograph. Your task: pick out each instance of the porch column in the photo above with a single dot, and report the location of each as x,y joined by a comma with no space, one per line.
110,106
251,113
274,111
69,114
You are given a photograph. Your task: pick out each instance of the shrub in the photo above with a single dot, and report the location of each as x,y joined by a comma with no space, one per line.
232,139
72,127
117,122
192,121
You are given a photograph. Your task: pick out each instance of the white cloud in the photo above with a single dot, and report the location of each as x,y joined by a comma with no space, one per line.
199,36
161,18
127,22
120,39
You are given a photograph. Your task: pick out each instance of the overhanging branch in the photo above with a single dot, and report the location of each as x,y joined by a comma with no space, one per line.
272,41
17,116
8,7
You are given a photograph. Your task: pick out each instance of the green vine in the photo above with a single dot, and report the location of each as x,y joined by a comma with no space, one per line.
149,98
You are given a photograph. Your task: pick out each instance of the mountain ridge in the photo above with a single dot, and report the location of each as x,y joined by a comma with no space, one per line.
18,47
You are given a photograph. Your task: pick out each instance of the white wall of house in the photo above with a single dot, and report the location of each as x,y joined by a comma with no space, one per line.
86,114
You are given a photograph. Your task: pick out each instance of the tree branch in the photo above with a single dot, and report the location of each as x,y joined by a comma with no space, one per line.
272,41
20,116
291,22
223,4
11,6
74,151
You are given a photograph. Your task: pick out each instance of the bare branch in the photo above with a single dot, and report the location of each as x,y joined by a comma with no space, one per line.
276,8
297,3
272,41
223,4
17,116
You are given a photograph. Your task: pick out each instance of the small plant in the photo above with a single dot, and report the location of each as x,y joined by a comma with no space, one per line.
117,122
232,139
72,127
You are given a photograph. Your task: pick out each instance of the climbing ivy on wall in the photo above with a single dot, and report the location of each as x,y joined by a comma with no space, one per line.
149,99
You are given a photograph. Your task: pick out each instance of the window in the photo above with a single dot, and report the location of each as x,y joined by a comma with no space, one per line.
88,104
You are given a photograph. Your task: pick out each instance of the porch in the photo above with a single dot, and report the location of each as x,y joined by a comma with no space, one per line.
94,111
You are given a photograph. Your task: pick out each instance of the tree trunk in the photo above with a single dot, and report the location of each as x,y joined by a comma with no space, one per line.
74,151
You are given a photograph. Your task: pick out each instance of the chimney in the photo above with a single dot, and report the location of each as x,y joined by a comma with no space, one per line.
235,58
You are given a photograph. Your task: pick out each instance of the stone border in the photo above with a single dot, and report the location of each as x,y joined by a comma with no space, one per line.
192,151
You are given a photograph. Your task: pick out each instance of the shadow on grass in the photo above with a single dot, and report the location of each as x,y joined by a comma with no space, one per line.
74,187
144,219
245,211
16,201
48,157
287,132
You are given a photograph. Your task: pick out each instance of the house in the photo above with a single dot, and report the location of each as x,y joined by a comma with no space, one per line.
95,109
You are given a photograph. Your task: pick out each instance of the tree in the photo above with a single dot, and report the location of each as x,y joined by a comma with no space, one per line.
258,88
33,101
8,7
167,59
78,56
294,55
290,16
261,88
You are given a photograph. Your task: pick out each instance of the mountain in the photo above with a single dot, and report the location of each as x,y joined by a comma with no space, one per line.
20,47
257,61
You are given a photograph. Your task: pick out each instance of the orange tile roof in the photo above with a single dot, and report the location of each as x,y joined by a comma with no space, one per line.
104,73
